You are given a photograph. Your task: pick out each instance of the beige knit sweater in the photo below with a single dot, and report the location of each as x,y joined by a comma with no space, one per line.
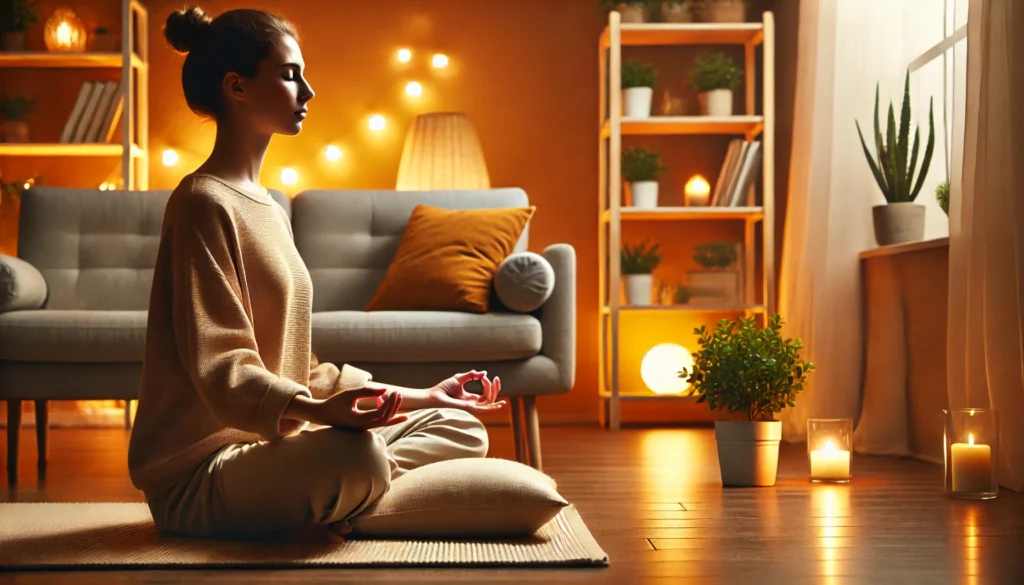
228,336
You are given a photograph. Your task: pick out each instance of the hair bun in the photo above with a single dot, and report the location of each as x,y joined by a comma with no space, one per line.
187,29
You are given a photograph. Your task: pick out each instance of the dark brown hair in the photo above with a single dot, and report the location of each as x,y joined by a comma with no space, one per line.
235,41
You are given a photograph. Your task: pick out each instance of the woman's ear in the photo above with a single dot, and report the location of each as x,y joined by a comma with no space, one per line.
233,86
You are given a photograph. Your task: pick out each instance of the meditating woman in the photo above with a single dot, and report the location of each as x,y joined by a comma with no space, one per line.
239,431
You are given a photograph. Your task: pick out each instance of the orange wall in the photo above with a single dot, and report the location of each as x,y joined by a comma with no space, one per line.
525,71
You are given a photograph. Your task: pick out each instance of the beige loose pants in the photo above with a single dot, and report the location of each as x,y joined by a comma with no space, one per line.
317,476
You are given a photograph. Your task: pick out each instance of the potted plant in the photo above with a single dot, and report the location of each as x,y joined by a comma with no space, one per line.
722,10
753,373
718,281
677,10
942,197
637,88
638,264
13,111
641,169
630,11
102,40
15,18
899,219
713,77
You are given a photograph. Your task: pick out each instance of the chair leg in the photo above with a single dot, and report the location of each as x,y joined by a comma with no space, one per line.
533,431
128,414
517,428
13,431
42,426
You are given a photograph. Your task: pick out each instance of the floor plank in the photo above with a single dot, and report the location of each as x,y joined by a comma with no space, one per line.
653,500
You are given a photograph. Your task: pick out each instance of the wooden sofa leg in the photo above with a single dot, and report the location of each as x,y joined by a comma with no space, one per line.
13,431
517,429
42,426
532,431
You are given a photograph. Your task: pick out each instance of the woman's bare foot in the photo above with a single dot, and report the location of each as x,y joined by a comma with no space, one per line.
318,533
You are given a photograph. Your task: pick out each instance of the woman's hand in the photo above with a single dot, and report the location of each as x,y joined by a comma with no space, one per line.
451,393
341,409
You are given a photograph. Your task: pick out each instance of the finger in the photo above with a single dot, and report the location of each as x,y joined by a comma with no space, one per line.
469,376
484,397
386,411
398,419
335,538
480,408
497,387
365,392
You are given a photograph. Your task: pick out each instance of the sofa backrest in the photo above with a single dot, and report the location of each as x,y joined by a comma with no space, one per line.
348,238
96,249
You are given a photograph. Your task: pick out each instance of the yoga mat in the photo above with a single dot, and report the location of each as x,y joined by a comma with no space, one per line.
122,535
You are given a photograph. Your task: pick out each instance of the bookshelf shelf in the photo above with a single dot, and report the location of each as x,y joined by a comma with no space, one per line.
59,149
749,126
650,397
686,213
709,308
44,59
658,33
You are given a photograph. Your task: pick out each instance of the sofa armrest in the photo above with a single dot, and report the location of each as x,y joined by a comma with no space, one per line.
558,315
22,287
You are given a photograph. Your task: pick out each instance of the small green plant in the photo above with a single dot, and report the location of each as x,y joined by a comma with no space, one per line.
745,369
682,295
17,15
942,196
16,108
715,71
640,259
640,164
891,171
715,255
638,74
611,4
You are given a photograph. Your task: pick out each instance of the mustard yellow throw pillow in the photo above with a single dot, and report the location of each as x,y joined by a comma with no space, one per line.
447,258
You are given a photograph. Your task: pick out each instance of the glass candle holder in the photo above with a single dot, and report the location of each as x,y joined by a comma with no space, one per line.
829,449
971,453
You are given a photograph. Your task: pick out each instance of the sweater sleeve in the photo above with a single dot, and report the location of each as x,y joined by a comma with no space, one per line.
213,331
326,380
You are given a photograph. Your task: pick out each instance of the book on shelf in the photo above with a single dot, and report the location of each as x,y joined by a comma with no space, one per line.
95,114
736,177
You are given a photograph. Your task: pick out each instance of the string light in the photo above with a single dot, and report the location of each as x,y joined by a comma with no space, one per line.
170,158
377,122
289,176
404,55
414,89
333,153
440,61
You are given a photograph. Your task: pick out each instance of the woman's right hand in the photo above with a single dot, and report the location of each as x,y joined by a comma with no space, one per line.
341,409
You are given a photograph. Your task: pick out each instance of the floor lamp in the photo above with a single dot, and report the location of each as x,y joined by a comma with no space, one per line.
442,151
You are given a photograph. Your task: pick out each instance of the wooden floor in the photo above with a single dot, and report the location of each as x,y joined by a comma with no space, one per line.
653,500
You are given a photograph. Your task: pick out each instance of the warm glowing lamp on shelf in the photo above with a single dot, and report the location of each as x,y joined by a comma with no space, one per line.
289,176
404,55
442,151
697,191
169,157
377,122
660,368
64,31
332,153
439,61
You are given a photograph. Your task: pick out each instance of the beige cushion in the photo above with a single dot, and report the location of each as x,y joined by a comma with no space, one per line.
524,281
21,285
463,498
73,336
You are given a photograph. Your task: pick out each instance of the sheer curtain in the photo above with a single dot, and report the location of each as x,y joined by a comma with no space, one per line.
986,252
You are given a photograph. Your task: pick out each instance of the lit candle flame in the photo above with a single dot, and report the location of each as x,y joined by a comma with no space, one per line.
970,438
829,446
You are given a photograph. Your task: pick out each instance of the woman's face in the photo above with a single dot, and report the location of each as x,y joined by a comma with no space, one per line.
275,99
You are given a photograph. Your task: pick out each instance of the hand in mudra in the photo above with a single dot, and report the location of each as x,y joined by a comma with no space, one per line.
342,410
451,393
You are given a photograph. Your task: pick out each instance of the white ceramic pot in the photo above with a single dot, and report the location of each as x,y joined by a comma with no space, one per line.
748,452
896,223
636,102
631,13
717,102
645,194
638,288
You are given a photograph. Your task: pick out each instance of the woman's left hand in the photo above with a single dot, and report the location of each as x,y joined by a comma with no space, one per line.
451,393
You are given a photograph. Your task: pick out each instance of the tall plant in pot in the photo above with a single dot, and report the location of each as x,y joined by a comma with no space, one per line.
753,373
641,169
630,11
895,162
714,77
638,263
15,18
637,88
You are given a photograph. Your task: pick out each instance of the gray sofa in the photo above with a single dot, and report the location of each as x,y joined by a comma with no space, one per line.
73,304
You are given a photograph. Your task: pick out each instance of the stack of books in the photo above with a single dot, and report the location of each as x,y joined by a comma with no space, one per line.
739,172
95,114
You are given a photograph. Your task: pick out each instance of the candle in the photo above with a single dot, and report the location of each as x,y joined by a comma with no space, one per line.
697,191
972,466
830,463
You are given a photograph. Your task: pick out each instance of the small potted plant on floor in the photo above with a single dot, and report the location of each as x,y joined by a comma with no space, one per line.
714,77
722,10
899,219
942,196
637,88
752,373
677,10
641,169
718,281
13,112
15,18
630,11
638,264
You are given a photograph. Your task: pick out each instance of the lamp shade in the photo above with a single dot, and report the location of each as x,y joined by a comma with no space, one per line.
442,151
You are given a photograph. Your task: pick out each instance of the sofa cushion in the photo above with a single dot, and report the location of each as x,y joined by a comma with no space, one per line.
423,336
73,336
524,282
21,285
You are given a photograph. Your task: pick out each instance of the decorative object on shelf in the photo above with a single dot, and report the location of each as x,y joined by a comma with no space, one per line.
660,366
630,11
681,296
672,105
64,31
641,169
753,372
13,113
971,453
719,282
442,151
942,196
714,77
722,10
103,40
829,448
637,88
15,18
899,219
697,191
677,11
638,262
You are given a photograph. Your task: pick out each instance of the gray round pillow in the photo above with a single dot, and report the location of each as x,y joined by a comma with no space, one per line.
524,281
